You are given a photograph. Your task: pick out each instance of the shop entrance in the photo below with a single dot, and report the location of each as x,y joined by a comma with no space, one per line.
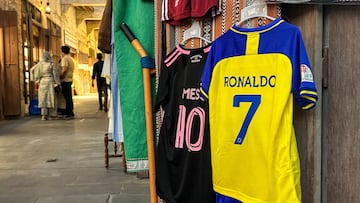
10,105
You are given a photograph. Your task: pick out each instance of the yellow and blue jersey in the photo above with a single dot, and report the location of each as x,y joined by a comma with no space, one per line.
251,77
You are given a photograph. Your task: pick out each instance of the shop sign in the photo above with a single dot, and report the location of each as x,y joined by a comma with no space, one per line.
70,40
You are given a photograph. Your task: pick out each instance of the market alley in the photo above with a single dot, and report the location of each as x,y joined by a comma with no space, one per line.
62,161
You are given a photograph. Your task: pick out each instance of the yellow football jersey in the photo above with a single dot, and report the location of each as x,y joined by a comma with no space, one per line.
251,78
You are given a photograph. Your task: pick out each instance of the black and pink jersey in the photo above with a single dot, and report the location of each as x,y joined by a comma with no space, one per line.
183,168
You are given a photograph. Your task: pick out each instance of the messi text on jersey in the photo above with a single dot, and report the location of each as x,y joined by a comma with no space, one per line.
191,94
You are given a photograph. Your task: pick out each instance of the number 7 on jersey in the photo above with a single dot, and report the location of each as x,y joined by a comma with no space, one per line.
255,102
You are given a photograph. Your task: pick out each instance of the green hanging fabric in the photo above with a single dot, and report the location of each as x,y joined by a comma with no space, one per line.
139,16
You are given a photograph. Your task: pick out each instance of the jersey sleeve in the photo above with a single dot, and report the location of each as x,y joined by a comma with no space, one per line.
304,88
207,73
163,88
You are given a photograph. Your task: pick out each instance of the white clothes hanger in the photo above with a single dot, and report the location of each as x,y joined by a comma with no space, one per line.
193,32
257,9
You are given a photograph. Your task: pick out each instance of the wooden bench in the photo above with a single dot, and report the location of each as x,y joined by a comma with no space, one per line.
115,154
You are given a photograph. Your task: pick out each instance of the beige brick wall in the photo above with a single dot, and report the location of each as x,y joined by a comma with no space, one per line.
8,5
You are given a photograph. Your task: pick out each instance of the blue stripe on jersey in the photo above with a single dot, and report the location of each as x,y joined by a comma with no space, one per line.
225,199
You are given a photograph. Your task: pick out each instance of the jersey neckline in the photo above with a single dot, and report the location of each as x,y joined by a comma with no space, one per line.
187,51
264,28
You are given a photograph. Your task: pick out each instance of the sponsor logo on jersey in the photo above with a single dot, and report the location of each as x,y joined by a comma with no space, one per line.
250,81
196,58
306,74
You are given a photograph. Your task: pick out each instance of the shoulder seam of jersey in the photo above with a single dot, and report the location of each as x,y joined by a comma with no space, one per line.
173,56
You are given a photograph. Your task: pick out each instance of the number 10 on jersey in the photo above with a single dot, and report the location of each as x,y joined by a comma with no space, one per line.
184,128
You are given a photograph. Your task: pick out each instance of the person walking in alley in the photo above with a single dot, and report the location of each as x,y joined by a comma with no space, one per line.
100,83
48,79
67,69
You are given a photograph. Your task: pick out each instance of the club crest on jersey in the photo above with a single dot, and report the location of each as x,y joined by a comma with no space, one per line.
306,74
196,58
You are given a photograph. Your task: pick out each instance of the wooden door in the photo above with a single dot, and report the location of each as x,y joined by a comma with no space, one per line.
308,123
341,166
10,77
2,74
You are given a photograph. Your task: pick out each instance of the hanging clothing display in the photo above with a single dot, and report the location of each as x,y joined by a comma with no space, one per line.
116,116
176,12
183,170
104,41
109,71
130,77
250,79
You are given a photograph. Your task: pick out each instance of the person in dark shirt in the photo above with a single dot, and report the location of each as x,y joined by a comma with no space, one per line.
100,83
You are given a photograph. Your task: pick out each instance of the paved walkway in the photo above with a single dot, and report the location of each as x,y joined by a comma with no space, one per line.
62,161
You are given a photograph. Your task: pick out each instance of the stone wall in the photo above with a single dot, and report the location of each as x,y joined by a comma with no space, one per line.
9,5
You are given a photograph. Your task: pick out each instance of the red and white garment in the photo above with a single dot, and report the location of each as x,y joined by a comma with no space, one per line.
176,12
